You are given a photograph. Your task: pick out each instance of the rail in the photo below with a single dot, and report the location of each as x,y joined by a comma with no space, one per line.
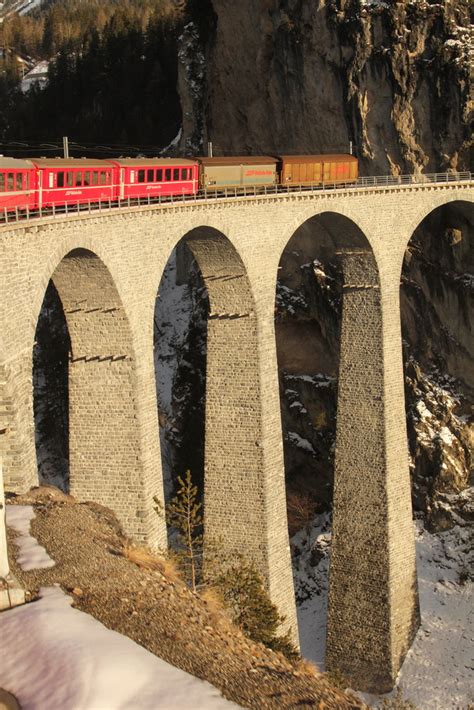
11,215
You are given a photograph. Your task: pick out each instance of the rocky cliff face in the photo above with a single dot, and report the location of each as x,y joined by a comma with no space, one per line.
296,76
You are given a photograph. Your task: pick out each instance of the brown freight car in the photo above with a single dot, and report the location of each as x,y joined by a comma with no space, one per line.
316,169
237,171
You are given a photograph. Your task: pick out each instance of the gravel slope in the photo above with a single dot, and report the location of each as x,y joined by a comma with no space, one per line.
162,615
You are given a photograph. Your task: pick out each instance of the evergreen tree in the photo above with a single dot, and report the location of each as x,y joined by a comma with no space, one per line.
251,608
183,514
238,581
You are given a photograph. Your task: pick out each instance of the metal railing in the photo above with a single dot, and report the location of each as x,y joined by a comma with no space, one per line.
8,216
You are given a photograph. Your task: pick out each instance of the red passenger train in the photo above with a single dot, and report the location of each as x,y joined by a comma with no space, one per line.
46,182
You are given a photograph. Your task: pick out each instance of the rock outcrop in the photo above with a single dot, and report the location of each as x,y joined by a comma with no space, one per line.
299,77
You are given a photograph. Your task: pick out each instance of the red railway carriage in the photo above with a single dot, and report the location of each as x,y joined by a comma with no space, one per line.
140,177
17,184
70,181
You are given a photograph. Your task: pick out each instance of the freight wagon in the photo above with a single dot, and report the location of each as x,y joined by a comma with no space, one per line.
237,171
317,169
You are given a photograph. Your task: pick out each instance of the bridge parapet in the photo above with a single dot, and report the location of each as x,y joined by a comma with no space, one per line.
206,198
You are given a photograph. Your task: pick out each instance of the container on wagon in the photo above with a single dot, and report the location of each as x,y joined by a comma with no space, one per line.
317,169
17,184
237,171
142,177
63,181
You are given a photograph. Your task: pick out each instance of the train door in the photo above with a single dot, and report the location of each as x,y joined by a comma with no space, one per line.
326,172
122,183
39,175
317,172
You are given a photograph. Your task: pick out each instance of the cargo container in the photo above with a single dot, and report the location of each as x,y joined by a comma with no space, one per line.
237,171
317,169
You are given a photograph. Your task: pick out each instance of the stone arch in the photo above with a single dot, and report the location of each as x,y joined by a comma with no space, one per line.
243,490
371,617
447,231
106,456
440,200
438,334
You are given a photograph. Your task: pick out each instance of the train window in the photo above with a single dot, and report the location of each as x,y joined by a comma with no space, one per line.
168,174
87,178
141,176
150,175
11,182
2,182
103,177
69,179
19,181
51,180
95,178
159,175
78,181
176,174
60,179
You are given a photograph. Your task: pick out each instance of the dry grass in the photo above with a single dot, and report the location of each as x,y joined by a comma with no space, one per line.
145,559
308,668
215,605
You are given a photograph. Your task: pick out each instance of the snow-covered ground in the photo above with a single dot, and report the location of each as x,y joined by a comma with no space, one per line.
56,657
30,554
59,658
310,569
438,671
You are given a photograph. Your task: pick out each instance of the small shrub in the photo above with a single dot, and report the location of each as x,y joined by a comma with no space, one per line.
251,609
301,509
465,574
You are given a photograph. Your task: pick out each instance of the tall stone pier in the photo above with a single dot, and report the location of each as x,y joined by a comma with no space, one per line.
373,603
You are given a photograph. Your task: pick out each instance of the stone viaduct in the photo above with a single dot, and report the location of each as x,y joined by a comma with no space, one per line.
107,266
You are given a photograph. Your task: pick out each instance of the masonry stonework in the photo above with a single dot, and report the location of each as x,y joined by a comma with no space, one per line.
370,627
107,267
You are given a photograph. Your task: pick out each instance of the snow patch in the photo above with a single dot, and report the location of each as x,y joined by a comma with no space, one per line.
30,553
300,443
437,672
62,659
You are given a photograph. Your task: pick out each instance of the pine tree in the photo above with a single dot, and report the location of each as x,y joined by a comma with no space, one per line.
236,580
183,513
251,608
